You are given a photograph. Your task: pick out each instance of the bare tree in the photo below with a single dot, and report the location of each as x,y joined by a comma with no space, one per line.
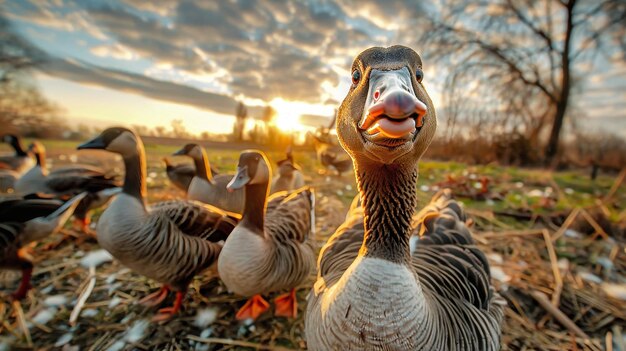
241,113
179,130
518,58
160,131
23,109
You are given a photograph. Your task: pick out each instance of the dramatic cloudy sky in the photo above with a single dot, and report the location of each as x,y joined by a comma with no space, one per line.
148,62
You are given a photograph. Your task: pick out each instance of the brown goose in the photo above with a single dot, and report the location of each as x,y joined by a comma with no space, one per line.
270,249
289,175
373,292
207,188
21,161
26,220
170,242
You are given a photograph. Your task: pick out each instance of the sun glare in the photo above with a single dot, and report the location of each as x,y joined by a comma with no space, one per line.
287,115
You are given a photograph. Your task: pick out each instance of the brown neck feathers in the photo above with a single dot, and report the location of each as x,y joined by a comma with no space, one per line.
389,201
254,206
135,177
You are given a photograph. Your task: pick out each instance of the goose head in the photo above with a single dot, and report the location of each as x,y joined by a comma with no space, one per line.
37,149
11,139
118,140
387,116
192,150
252,169
286,168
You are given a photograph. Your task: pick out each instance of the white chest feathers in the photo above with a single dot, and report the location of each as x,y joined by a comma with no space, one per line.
242,262
124,216
377,304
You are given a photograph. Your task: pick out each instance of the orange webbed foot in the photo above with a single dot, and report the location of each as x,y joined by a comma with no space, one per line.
156,297
253,308
167,313
287,305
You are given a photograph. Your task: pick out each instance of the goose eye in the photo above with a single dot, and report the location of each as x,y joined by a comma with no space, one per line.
356,76
419,75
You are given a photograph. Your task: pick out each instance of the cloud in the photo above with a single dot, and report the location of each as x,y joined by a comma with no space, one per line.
268,48
257,50
138,84
115,51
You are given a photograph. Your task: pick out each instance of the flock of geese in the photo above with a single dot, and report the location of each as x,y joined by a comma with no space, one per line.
387,279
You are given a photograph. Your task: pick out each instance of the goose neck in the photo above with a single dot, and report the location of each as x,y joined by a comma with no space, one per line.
40,157
135,177
19,149
203,169
254,206
389,200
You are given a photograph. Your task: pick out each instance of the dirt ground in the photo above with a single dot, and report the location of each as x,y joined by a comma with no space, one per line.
556,235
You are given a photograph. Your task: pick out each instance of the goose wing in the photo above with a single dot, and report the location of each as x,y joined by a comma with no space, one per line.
85,170
181,175
274,200
342,248
197,219
449,263
76,183
23,210
289,216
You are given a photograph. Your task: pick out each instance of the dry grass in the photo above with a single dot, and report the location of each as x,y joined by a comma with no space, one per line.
531,252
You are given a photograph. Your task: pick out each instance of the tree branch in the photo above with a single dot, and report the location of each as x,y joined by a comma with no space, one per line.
530,25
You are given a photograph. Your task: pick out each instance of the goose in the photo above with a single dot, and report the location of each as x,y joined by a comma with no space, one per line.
207,188
179,175
170,241
23,221
372,291
21,161
270,249
289,175
63,183
331,155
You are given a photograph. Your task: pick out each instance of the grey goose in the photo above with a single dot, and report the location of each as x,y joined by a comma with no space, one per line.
373,292
170,241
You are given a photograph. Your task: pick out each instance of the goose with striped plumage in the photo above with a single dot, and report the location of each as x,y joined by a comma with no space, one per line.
23,221
289,176
270,249
206,187
169,242
66,182
373,292
21,161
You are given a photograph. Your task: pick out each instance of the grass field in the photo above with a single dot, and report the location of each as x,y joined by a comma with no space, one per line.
518,216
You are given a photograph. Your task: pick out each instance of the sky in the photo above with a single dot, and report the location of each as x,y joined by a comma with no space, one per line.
150,62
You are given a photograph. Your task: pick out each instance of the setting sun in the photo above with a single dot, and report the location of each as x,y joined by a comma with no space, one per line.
289,113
